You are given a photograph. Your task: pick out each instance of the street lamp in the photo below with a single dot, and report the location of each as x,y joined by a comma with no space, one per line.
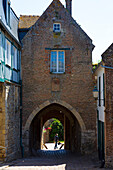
95,93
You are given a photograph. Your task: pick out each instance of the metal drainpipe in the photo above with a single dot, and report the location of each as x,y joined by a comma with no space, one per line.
21,145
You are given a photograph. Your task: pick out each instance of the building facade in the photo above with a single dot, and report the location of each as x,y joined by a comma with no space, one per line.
9,83
104,74
57,79
100,79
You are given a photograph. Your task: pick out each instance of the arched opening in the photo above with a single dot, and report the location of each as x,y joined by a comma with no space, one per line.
72,129
50,129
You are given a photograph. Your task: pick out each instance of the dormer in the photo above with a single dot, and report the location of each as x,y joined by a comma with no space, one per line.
6,7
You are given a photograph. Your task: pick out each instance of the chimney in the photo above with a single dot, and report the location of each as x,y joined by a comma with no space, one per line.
69,6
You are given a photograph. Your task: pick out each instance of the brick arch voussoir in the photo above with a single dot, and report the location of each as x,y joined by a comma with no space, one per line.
47,103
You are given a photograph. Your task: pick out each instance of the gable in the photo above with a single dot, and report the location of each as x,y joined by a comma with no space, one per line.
109,51
58,13
107,56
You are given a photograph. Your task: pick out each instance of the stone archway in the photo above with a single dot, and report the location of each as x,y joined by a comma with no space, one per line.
47,103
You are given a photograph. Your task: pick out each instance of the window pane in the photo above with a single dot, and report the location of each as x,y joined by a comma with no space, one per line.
2,46
53,61
9,14
99,91
61,61
0,71
8,53
56,27
18,59
15,58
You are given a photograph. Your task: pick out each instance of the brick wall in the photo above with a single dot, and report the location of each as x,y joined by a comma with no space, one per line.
107,58
75,85
109,118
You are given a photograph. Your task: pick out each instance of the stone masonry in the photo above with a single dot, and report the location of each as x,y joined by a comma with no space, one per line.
2,123
75,86
10,121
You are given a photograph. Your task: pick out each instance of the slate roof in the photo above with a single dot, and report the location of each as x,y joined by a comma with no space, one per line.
25,23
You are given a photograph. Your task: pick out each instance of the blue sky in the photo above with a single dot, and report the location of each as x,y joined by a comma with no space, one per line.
94,16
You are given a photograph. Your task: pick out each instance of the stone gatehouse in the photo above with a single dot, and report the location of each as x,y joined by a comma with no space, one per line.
57,78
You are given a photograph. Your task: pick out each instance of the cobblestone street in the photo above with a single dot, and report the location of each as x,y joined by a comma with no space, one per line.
54,160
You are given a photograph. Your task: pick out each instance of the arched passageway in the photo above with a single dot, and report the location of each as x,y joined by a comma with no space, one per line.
74,126
72,130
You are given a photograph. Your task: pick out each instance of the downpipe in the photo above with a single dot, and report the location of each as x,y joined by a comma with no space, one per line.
21,145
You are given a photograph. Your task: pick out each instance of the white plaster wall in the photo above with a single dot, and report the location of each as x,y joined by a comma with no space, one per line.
99,73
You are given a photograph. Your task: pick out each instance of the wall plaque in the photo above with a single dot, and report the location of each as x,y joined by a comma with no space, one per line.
55,84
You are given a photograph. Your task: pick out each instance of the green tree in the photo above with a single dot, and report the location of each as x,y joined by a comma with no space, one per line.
56,127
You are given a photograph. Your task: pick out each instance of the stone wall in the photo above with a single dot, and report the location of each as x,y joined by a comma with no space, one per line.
10,122
88,143
2,123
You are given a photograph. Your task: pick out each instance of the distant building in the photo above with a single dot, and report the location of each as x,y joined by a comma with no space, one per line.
104,77
10,61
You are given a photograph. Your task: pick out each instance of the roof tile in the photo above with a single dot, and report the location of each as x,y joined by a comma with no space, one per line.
26,21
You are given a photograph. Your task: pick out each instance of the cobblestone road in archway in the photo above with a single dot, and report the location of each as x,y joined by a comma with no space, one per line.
55,160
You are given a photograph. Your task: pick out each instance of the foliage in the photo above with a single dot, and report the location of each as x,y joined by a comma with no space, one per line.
56,127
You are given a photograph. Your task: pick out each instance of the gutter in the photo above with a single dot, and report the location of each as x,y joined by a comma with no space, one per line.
107,67
9,32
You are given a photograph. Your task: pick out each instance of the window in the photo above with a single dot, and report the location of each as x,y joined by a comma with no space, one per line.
103,91
2,46
57,62
8,14
14,58
8,53
6,6
99,91
18,59
56,27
